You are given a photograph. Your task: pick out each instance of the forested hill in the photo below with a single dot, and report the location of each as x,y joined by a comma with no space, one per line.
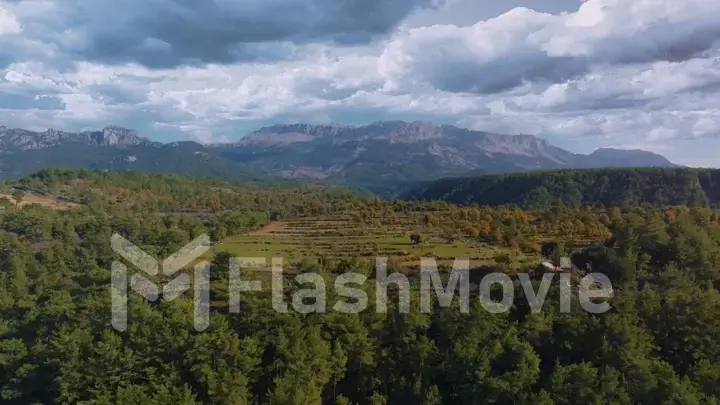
609,187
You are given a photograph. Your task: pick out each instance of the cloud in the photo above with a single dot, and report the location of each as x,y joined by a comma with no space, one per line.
195,132
645,72
28,102
169,33
9,23
524,46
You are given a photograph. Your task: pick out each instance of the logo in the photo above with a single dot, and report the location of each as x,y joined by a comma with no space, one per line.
170,290
593,292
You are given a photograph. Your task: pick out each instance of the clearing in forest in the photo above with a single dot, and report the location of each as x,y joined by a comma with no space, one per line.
310,238
44,200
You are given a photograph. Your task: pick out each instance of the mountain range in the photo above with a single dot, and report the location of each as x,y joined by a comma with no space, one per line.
380,157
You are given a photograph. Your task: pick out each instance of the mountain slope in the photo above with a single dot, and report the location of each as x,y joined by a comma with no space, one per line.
404,151
384,154
610,157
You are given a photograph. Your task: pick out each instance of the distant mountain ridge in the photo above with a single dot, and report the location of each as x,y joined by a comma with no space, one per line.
393,152
21,139
381,156
113,148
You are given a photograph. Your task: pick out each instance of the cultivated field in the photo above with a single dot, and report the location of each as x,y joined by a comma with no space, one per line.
296,240
44,200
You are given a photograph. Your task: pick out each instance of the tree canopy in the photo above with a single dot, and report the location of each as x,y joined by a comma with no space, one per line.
657,345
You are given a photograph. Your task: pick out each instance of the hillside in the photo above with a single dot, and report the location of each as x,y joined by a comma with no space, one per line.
609,187
382,157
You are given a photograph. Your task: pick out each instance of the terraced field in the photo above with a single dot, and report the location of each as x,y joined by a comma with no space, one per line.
30,198
295,240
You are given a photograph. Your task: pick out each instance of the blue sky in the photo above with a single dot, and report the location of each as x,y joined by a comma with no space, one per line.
629,74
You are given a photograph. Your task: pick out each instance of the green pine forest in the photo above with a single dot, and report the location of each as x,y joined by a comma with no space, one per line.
654,232
607,187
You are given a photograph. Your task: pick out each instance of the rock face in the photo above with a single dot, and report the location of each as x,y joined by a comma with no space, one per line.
111,149
15,139
114,136
379,156
397,151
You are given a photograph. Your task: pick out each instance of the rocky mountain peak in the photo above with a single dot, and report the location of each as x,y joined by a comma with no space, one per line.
21,139
113,135
401,131
390,131
307,129
288,134
16,139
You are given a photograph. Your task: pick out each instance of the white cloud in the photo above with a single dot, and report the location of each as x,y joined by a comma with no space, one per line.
523,45
9,23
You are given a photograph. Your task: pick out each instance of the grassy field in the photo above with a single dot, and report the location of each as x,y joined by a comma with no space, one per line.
295,240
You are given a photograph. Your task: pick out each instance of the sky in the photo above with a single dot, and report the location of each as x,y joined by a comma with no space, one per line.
583,74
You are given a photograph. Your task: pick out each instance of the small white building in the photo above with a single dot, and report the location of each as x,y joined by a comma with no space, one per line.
565,264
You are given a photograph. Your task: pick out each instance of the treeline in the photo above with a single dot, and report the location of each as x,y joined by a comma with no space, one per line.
170,193
608,187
